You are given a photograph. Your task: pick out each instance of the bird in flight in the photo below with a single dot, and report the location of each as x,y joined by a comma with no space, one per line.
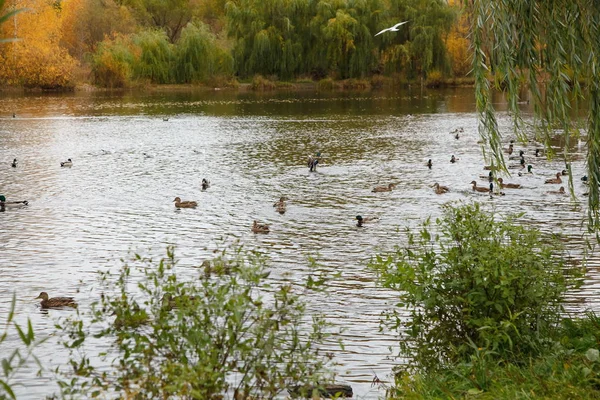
393,28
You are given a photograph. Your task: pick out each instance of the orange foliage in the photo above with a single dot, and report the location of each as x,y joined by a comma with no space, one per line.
458,45
36,60
88,22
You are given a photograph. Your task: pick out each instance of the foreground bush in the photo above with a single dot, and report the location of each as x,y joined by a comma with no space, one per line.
475,284
224,333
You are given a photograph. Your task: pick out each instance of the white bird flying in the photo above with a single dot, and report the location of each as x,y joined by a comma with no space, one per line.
393,28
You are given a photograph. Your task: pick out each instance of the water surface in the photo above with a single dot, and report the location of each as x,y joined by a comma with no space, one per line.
129,164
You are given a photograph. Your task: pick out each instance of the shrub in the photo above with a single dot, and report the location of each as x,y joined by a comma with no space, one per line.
434,79
112,63
478,284
261,83
327,84
224,332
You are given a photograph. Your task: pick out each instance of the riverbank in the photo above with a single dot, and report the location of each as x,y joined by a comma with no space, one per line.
261,84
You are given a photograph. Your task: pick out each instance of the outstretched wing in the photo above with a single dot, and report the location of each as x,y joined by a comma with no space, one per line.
386,29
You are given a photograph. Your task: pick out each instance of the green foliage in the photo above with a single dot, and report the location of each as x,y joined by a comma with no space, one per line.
168,16
475,284
568,367
14,359
112,63
197,56
336,37
226,331
550,49
155,60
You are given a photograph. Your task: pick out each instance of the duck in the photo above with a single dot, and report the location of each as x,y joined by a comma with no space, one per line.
521,155
453,159
456,136
584,179
165,119
360,220
14,163
387,188
529,170
510,148
429,163
508,185
538,152
554,180
520,165
560,191
564,172
260,228
68,163
55,302
184,204
482,189
205,184
280,205
440,189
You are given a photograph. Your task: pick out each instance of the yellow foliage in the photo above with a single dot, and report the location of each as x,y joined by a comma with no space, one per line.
88,22
36,60
458,45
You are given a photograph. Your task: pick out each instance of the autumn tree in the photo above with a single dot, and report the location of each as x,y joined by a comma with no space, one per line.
37,60
88,22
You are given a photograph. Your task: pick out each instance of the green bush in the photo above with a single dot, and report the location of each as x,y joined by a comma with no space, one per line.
476,284
227,331
112,63
155,57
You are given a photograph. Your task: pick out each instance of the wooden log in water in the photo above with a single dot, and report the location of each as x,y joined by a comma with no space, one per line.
325,391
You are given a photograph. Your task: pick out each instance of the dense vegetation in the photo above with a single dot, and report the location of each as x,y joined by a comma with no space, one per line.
123,42
485,298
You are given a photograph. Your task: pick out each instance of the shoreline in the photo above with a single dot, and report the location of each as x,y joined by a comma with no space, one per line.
263,85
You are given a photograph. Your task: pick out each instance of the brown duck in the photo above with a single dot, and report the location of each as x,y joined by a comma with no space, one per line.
55,302
440,189
508,185
481,189
554,180
260,228
280,205
387,188
184,204
560,191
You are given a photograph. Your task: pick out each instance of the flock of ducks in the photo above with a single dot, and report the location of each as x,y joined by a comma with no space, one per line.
312,162
490,177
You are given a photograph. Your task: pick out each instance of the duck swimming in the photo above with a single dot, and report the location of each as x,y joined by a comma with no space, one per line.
68,163
554,180
280,205
453,159
55,302
508,185
205,184
184,204
560,191
14,163
429,163
387,188
260,228
482,189
360,220
440,189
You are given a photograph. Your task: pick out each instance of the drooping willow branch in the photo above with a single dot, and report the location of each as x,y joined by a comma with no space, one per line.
549,48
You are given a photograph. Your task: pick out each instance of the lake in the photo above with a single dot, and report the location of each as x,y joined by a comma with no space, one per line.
129,163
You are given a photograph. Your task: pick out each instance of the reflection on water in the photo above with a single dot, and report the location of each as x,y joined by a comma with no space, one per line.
129,164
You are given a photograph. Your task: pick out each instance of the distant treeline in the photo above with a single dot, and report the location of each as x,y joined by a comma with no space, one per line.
118,43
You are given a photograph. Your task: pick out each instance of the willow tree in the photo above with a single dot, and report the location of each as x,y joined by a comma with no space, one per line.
268,39
551,49
155,59
197,56
418,47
